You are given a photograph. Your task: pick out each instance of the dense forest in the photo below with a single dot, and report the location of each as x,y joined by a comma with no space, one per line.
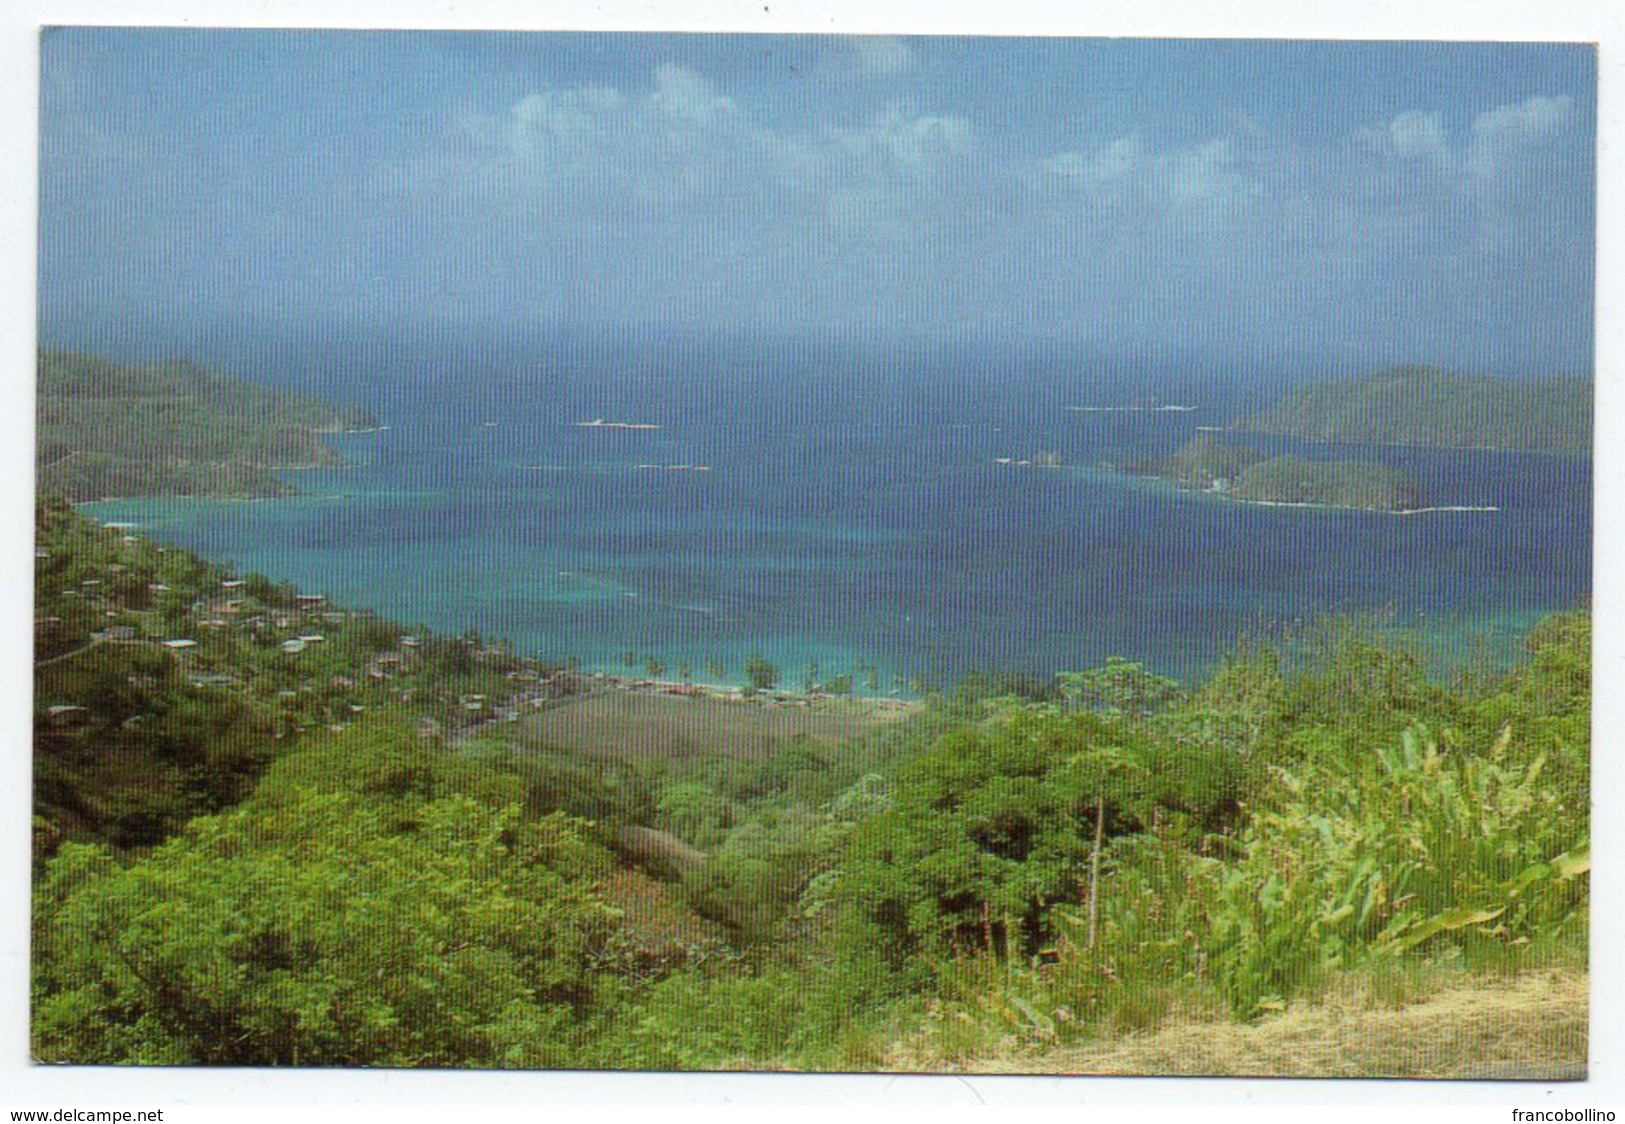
1243,474
1432,407
271,830
172,429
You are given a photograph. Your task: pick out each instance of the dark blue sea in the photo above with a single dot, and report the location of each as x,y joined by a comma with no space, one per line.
852,511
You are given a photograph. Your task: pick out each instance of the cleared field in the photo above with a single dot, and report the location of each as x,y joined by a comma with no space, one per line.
620,724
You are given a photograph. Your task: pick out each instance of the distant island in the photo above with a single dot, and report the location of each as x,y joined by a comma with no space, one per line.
600,423
1208,464
1427,406
1041,459
108,430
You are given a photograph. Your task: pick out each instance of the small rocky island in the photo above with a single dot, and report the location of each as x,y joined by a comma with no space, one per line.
1248,476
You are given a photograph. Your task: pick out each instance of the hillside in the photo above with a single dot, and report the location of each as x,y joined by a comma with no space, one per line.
164,685
173,429
1205,461
250,801
1427,406
1356,484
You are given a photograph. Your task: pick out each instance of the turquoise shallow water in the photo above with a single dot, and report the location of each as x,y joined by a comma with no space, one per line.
854,513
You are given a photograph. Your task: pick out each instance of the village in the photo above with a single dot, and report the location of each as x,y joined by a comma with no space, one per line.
310,662
314,662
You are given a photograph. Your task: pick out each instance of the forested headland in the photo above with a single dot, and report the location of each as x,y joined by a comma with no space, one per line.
1428,406
274,831
107,429
1410,405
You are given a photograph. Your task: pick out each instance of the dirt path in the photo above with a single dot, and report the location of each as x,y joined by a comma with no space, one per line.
68,655
1532,1028
83,648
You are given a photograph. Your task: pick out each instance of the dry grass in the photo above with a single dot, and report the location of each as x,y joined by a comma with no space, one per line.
631,724
660,849
1531,1027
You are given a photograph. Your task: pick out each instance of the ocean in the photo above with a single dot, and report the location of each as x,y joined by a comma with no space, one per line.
843,508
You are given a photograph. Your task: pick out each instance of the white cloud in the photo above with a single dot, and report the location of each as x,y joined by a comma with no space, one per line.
683,96
1207,171
670,195
679,146
547,124
1133,181
1418,135
583,126
914,143
1500,145
1506,139
1501,188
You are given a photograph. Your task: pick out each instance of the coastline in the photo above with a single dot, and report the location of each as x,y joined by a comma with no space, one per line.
272,487
1226,497
606,674
1483,508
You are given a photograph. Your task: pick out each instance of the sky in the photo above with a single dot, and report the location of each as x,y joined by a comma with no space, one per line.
1394,201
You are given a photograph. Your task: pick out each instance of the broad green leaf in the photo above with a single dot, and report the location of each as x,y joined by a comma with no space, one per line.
1572,863
1448,921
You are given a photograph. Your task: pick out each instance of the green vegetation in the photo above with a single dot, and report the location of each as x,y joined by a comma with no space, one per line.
173,429
761,674
332,856
1242,474
1429,406
1205,462
369,905
1360,484
164,685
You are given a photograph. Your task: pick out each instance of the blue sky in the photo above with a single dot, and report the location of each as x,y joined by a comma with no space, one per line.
1362,201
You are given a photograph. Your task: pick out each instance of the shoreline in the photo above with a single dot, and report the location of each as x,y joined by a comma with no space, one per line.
273,489
1177,487
1351,507
605,676
190,496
